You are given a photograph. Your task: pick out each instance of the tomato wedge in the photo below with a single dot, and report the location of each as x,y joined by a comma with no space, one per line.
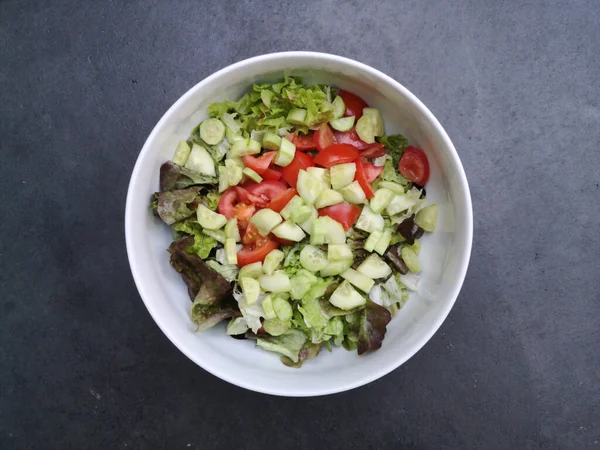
351,137
243,212
362,179
251,234
271,175
267,190
302,142
279,202
261,163
324,137
344,213
371,171
227,202
373,151
301,161
245,196
354,104
414,166
336,154
256,251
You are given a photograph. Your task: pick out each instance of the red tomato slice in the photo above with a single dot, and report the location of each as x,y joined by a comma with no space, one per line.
226,203
251,234
371,171
261,163
302,142
344,213
351,137
245,196
414,166
354,104
271,175
279,202
324,137
373,151
336,154
361,177
257,251
267,190
243,212
301,161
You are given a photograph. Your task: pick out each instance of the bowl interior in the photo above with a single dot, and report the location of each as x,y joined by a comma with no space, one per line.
444,254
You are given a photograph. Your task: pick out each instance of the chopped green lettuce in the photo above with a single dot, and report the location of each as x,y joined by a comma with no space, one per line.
288,344
291,263
395,144
203,244
227,271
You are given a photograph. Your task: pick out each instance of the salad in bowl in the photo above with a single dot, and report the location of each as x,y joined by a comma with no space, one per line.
296,219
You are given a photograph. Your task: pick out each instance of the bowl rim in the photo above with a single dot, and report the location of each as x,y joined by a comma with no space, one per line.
369,376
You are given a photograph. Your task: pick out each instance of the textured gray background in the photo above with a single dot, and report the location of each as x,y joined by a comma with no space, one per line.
515,84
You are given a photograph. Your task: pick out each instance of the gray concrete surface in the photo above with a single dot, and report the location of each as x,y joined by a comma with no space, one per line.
515,84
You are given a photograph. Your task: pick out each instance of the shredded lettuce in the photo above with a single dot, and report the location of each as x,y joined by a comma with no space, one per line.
291,263
395,144
203,244
288,344
227,271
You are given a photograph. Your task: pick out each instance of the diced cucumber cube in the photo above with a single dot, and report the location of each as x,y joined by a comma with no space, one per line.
427,218
210,219
232,136
182,153
230,251
276,327
278,282
372,240
346,297
342,175
353,193
374,267
200,161
286,153
335,268
271,141
237,326
272,260
369,221
339,107
244,147
252,174
302,213
381,199
416,247
212,131
334,231
359,280
265,220
319,228
250,289
295,203
384,241
399,203
394,187
218,235
234,172
297,116
320,174
313,258
309,187
411,259
289,230
307,224
223,179
267,305
328,197
370,125
232,231
344,124
253,270
339,252
282,308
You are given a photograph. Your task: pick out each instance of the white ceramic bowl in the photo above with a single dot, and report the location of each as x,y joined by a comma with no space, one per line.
444,256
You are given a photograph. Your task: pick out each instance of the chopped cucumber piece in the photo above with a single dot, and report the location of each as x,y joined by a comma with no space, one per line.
353,193
416,247
339,252
182,153
335,268
342,175
313,259
275,327
411,259
359,280
212,131
210,219
218,235
297,116
369,125
289,230
271,141
272,260
339,107
346,297
237,326
231,123
200,161
317,236
234,172
223,179
244,147
384,242
320,174
252,174
303,213
233,136
267,305
374,267
230,252
278,282
394,187
250,289
232,231
344,124
328,197
282,308
308,223
286,153
266,96
309,187
334,231
382,198
253,270
295,203
372,240
369,221
265,220
427,218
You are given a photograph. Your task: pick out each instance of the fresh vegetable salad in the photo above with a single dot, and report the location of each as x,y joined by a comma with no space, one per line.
296,219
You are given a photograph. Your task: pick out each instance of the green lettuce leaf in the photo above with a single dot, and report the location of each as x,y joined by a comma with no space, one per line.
291,262
309,351
173,177
173,206
301,282
395,144
373,326
313,314
203,244
288,344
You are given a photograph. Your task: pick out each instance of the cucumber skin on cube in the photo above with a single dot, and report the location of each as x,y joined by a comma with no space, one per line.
252,174
244,147
343,124
212,131
265,220
359,280
286,153
182,153
223,179
200,161
384,242
342,175
271,141
346,297
250,289
427,218
232,231
289,230
230,251
210,219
